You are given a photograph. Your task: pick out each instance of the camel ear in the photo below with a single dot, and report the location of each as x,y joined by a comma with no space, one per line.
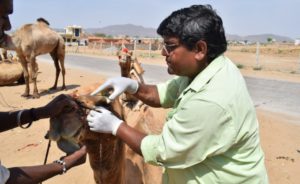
117,109
74,94
99,100
201,50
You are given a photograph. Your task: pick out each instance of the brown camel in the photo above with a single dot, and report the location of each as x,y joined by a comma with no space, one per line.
10,69
32,40
10,72
110,159
106,152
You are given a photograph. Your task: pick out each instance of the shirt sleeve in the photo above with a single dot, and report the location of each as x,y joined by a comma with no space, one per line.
4,174
198,130
169,92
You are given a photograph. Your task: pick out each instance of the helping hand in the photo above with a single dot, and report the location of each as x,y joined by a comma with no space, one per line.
104,121
120,85
76,158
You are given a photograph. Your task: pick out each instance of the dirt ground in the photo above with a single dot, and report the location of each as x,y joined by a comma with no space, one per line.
279,134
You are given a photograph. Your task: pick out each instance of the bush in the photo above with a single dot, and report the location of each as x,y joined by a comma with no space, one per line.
257,68
240,66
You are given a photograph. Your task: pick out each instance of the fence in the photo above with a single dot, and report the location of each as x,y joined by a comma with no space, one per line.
271,57
150,49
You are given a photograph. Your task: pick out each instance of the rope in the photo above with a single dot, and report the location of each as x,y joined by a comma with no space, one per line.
47,153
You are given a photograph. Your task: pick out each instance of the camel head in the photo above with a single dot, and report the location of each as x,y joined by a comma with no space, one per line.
70,129
125,58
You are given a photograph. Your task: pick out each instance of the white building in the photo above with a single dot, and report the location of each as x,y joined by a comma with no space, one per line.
72,34
297,41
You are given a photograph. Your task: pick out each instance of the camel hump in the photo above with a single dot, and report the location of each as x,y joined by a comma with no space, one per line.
42,20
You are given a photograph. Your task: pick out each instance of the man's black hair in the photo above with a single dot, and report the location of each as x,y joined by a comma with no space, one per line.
195,23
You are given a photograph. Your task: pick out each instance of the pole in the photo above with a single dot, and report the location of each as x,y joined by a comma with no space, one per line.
150,46
134,47
299,63
257,55
111,47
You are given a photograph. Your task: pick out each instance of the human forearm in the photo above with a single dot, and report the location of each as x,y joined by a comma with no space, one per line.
10,119
33,174
148,94
36,174
61,103
131,137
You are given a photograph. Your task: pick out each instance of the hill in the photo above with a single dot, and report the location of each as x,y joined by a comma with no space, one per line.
125,30
140,31
263,38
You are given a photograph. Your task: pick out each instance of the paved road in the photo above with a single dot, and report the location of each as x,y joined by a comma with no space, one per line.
274,95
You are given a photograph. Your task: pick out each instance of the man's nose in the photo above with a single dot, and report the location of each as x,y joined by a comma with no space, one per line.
7,25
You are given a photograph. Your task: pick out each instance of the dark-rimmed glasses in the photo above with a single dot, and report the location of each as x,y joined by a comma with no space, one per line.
168,48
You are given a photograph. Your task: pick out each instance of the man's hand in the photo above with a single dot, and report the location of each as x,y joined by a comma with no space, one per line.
104,121
120,85
76,158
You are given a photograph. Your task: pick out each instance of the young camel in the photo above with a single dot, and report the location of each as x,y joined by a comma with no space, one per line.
32,40
110,159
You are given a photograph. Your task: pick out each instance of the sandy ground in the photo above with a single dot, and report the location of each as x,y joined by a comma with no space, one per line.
279,135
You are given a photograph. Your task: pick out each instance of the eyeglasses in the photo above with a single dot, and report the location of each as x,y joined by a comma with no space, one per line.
168,48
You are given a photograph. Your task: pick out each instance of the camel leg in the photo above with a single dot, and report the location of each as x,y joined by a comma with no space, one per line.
61,57
26,75
34,72
57,69
63,71
61,60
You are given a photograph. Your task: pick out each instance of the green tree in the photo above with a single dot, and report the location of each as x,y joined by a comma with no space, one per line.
269,40
100,34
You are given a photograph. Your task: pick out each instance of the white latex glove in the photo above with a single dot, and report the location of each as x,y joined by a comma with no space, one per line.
104,121
120,85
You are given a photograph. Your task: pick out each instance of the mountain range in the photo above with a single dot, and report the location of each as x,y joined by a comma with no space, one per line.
140,31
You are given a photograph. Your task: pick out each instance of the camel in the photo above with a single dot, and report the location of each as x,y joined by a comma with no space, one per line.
110,159
32,40
130,68
10,72
10,69
105,151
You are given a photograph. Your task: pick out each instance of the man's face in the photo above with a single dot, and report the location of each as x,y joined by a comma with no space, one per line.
6,8
180,60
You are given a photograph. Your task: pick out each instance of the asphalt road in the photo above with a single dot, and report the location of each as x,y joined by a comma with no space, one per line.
274,95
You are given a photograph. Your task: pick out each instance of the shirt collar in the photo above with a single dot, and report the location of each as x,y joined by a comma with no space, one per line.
204,76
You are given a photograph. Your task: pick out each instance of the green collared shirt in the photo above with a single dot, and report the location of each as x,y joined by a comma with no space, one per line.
211,134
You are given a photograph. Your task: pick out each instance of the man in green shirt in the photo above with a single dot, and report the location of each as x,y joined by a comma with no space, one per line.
211,134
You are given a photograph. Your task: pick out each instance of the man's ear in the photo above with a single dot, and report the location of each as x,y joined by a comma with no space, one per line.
201,50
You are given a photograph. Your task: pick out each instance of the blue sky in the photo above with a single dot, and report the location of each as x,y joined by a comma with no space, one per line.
242,17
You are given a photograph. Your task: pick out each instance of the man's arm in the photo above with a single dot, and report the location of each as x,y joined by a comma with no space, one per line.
36,174
148,94
61,103
9,119
132,137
